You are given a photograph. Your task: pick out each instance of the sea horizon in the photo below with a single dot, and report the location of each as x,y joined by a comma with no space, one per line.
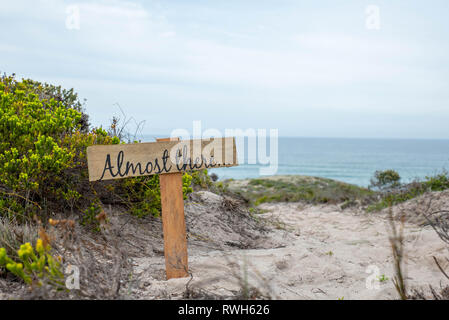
350,160
149,137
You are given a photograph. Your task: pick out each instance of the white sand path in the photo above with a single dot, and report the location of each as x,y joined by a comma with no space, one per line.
329,254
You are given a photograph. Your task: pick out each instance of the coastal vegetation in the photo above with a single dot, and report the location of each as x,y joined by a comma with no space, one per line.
44,189
394,193
312,190
44,134
385,190
387,179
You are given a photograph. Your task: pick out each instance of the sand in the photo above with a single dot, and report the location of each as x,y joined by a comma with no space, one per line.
311,252
292,251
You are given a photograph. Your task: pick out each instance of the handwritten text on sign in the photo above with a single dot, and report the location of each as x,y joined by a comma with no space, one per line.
107,162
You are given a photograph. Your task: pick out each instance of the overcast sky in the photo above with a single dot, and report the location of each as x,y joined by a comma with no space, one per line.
320,68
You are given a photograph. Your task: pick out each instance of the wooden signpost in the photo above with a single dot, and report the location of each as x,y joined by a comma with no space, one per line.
169,158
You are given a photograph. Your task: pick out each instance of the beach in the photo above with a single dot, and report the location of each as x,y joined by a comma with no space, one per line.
276,250
316,252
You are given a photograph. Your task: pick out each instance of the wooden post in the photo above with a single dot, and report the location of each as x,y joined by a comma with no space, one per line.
173,224
106,162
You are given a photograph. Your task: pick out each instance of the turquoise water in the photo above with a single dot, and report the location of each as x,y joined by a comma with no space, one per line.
352,160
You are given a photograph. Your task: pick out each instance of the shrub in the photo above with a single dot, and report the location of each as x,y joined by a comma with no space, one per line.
214,177
45,91
304,189
34,266
42,147
89,216
12,235
438,182
186,184
43,164
384,180
143,194
201,179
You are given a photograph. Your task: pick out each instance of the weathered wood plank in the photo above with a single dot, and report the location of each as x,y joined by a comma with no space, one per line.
173,225
107,162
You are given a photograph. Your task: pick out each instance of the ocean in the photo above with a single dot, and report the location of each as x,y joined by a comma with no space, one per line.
350,160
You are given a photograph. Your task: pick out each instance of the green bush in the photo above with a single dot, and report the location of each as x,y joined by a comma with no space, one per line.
438,182
304,189
143,194
386,179
46,91
186,184
34,266
201,179
43,166
42,147
89,216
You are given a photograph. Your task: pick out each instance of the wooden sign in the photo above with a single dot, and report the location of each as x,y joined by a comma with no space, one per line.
165,156
169,158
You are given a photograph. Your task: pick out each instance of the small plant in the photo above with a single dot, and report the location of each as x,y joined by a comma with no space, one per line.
382,278
330,253
201,179
438,182
220,187
90,215
71,196
186,184
396,237
35,266
143,196
385,180
213,177
261,200
13,234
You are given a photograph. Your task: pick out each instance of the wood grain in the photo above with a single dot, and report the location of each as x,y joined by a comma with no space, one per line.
139,159
169,158
173,224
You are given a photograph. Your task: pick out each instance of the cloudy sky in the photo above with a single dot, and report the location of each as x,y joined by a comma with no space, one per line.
326,68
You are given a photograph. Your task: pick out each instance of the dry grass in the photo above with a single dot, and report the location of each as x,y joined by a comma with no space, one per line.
100,257
438,219
397,246
12,234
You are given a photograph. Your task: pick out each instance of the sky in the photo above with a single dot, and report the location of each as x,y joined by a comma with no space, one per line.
325,68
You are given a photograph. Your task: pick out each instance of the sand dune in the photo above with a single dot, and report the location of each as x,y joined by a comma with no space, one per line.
311,252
